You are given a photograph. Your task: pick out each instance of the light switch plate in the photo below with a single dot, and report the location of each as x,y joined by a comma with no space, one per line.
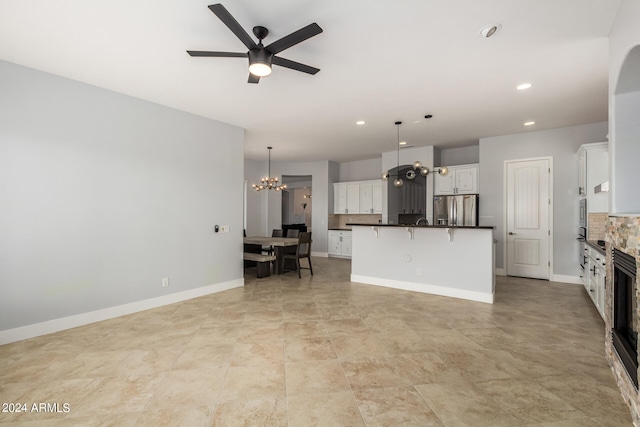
224,229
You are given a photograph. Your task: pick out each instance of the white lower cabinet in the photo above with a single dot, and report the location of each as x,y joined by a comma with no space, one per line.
340,243
595,278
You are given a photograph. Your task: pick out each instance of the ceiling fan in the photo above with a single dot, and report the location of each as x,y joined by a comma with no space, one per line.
261,57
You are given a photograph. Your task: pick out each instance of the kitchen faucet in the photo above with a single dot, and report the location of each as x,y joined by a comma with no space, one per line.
426,221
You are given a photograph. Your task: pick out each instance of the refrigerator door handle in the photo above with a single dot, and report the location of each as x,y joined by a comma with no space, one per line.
455,210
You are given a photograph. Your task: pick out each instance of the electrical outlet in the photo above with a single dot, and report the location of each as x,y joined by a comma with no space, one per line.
419,272
224,228
165,282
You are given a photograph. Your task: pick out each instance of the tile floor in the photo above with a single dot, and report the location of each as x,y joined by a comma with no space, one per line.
321,351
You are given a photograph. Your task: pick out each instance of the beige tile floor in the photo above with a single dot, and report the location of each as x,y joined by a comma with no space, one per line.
321,351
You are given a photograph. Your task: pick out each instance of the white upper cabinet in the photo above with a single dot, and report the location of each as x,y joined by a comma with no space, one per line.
360,197
593,169
366,198
377,197
461,179
353,198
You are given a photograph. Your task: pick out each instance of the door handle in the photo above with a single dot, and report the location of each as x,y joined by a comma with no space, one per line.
511,233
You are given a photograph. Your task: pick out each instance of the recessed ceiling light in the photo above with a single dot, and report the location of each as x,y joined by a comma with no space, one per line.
529,123
489,30
360,122
524,86
403,142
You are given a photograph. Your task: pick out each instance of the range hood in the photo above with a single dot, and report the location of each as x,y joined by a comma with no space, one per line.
601,188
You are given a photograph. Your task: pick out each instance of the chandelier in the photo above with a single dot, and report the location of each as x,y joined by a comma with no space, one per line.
268,183
417,165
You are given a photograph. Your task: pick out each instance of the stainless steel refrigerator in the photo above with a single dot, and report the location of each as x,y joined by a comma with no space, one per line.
456,210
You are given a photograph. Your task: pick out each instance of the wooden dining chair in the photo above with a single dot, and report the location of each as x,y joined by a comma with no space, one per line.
303,250
293,232
274,233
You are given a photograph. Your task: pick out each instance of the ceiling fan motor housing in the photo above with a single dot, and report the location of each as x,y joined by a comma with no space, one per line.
261,55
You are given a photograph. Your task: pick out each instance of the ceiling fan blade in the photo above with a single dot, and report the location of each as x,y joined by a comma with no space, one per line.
253,79
221,12
294,38
294,65
217,54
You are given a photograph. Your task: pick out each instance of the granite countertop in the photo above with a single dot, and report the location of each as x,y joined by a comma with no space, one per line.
342,228
477,227
596,246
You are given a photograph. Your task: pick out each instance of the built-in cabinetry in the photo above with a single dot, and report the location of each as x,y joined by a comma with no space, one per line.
593,170
462,179
594,277
357,197
340,243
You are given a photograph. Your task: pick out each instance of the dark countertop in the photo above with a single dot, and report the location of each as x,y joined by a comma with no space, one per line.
596,246
478,227
342,229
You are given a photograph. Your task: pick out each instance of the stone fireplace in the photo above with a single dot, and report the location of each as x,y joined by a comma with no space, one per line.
621,304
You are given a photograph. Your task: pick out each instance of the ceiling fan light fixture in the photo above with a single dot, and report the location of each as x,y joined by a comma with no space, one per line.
260,62
260,69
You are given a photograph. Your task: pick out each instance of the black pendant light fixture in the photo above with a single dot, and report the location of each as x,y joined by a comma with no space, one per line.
418,167
398,182
269,183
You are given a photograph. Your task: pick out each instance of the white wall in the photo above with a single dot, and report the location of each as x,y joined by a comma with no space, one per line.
459,156
103,195
624,109
561,144
361,170
257,225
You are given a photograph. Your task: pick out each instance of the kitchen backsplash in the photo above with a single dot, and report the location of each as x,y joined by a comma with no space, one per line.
341,220
597,226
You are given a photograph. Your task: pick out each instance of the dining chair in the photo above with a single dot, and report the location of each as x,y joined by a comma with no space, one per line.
274,233
293,232
303,250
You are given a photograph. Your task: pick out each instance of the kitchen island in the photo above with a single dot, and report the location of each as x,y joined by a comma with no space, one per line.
449,261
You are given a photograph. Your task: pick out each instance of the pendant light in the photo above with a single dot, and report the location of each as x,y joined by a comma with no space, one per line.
385,175
418,167
398,182
269,183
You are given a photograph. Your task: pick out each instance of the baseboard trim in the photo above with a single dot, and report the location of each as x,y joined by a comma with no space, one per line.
56,325
562,278
425,289
320,254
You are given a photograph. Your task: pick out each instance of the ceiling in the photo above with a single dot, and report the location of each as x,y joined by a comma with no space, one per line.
380,62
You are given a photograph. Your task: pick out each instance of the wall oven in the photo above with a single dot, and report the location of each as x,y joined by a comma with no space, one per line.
583,213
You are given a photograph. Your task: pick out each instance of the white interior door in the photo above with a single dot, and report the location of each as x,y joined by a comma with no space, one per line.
528,223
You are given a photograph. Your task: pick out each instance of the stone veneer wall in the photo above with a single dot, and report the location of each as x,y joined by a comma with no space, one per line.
623,233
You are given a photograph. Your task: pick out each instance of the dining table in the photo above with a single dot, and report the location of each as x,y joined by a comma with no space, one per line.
278,243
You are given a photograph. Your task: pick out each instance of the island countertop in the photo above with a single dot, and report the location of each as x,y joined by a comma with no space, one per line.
477,227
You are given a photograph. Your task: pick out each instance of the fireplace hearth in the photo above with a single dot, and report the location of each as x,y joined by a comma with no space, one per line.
624,326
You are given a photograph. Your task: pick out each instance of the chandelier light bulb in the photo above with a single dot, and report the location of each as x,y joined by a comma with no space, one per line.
417,165
398,182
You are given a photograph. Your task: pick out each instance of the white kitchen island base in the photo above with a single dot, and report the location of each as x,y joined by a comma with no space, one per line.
449,261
